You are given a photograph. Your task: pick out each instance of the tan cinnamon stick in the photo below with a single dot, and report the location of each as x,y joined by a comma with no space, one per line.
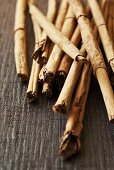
20,40
103,32
51,16
70,142
41,53
56,36
33,81
63,102
47,87
110,19
61,14
59,23
56,54
95,55
44,44
66,60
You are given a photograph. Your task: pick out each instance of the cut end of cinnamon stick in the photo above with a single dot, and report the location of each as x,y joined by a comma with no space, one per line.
111,119
38,53
60,108
60,79
22,77
69,145
42,60
48,76
47,89
81,59
32,96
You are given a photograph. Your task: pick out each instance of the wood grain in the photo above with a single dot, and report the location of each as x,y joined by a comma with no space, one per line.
30,133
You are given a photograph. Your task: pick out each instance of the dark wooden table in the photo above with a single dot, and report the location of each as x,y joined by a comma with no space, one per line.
30,133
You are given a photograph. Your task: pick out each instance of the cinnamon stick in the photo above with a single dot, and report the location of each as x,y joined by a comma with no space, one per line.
51,16
56,36
66,60
61,14
33,81
63,102
95,55
70,142
47,87
20,40
103,32
56,54
42,52
110,19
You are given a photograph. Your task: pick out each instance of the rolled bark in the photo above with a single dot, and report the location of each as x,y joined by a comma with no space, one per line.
95,55
63,102
70,142
47,87
20,40
66,61
42,51
61,14
55,35
56,54
34,76
103,32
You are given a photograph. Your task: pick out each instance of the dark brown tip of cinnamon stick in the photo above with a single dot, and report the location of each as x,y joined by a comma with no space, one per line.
47,90
60,79
23,77
32,97
60,108
42,60
48,76
69,145
38,53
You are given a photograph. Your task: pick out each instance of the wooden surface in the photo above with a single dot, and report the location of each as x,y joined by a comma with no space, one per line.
30,133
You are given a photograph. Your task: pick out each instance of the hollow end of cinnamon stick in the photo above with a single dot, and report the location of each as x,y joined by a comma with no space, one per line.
48,76
23,77
38,53
47,89
32,96
42,60
60,108
82,59
69,145
60,79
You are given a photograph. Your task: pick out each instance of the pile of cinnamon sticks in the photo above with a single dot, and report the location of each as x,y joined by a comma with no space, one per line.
67,49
